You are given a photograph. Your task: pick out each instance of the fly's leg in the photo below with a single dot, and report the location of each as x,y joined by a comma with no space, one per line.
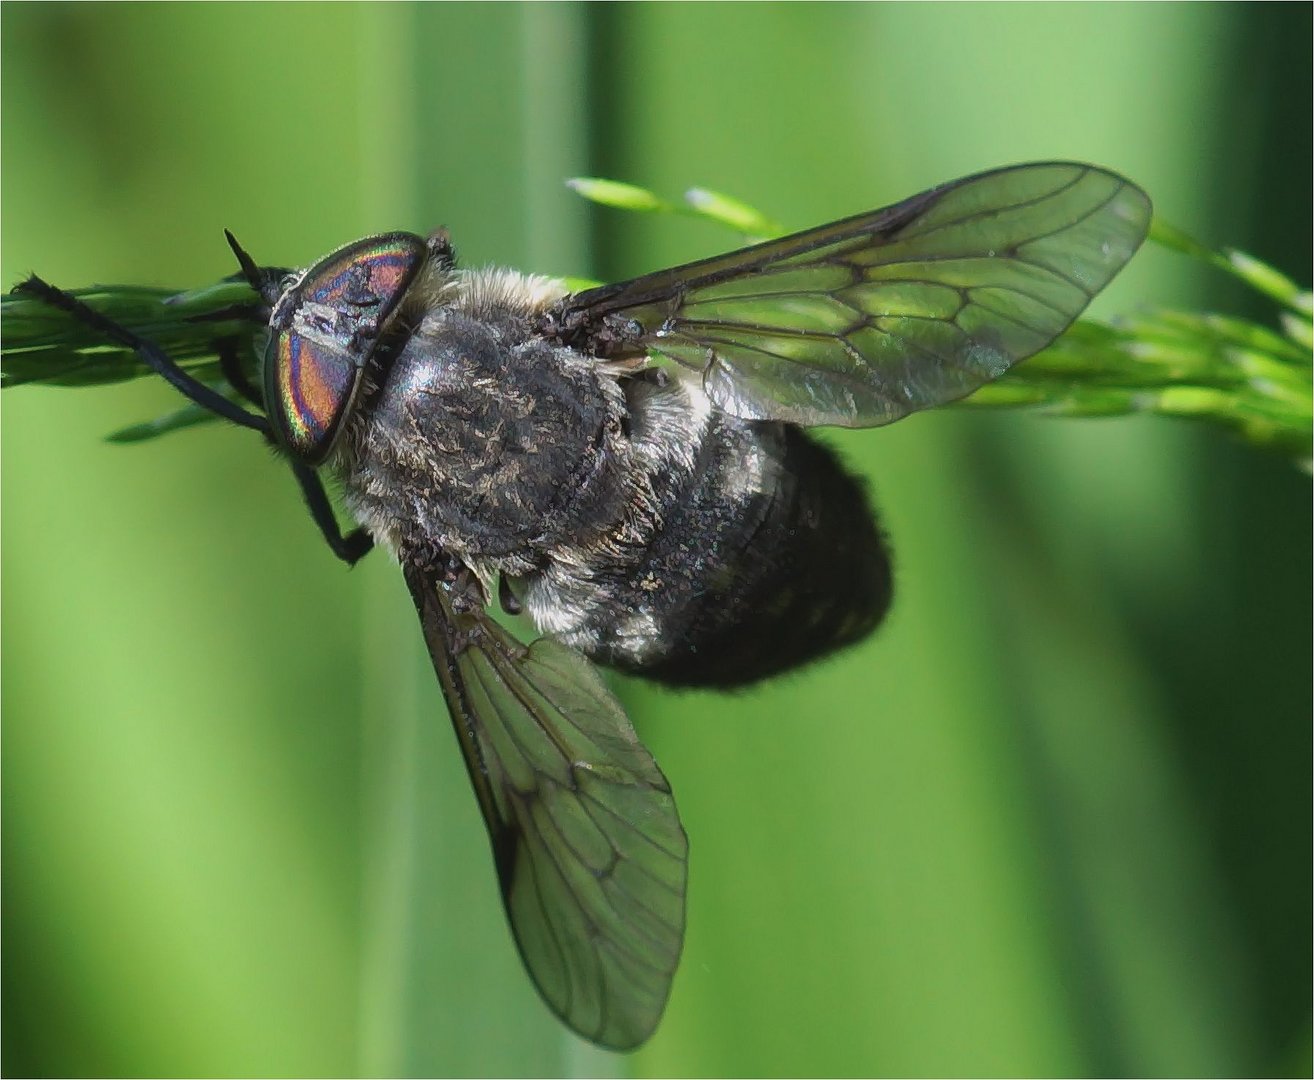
349,548
148,352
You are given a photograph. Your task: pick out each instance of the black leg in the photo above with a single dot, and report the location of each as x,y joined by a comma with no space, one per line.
350,548
510,602
148,352
232,369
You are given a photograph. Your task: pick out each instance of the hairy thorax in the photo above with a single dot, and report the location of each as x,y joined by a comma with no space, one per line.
486,443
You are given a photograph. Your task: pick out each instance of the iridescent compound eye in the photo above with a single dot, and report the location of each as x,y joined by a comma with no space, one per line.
324,329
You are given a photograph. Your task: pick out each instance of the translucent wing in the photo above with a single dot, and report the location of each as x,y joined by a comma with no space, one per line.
863,321
590,852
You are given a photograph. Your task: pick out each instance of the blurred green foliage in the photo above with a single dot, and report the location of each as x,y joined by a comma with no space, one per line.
1053,819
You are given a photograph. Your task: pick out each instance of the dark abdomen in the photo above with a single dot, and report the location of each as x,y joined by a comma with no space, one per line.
745,584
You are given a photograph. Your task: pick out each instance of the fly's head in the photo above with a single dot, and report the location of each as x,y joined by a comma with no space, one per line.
325,325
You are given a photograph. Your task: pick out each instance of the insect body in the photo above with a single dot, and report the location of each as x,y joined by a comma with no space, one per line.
629,465
636,522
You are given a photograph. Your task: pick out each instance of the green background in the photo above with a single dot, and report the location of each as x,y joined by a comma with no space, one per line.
1053,819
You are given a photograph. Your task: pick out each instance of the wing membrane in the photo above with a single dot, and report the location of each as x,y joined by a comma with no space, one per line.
863,321
590,852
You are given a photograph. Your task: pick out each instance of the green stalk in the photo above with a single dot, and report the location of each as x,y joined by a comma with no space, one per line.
1244,377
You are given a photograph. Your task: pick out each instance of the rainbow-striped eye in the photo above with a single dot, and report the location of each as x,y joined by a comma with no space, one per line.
326,326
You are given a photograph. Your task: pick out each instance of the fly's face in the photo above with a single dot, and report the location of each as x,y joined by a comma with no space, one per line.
325,327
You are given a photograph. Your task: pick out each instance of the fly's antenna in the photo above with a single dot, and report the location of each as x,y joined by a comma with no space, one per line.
266,282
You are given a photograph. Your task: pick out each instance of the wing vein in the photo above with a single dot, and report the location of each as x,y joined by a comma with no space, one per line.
596,930
995,211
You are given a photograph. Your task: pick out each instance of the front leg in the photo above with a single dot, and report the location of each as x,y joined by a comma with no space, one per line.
350,548
148,352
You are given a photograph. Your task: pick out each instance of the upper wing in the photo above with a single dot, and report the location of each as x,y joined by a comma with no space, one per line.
863,321
590,852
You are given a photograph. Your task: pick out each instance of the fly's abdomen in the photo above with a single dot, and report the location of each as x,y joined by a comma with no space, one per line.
811,575
768,556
